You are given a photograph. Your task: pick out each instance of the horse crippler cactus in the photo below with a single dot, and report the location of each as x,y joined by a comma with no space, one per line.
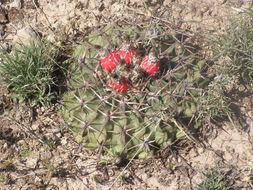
134,90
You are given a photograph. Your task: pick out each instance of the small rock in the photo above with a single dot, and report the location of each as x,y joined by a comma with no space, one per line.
17,4
167,2
25,36
3,16
35,126
5,145
59,135
37,179
64,141
144,177
32,162
51,38
94,4
201,150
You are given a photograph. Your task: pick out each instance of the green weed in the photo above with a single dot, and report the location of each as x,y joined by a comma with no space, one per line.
233,50
215,179
29,71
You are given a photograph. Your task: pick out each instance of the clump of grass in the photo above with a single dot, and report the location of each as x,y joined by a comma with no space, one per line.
215,179
234,50
29,71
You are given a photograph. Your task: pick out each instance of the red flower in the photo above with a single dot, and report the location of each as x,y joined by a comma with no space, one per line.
111,61
119,86
126,53
150,64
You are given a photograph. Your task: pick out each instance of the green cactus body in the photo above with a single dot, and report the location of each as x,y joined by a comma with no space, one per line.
138,122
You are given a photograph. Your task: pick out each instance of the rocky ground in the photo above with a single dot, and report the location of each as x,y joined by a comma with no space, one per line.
36,150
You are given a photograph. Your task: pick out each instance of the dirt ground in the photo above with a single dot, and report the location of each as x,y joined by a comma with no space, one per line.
37,152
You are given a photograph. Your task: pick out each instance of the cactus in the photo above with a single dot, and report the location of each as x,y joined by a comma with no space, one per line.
155,108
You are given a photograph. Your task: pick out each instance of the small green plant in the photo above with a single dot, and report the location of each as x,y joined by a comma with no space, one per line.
51,143
25,151
214,180
98,179
3,178
125,178
136,89
28,70
233,50
50,167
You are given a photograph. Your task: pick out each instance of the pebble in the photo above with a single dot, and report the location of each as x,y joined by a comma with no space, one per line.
37,179
167,2
64,141
32,162
25,35
17,4
201,150
35,126
5,145
51,38
59,135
